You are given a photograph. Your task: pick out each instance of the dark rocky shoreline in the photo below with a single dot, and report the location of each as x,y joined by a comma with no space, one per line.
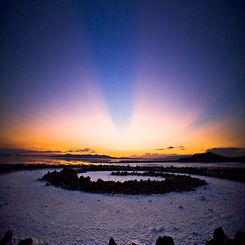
219,238
235,174
68,179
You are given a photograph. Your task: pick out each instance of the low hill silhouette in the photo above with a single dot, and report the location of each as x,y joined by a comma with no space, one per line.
210,157
83,156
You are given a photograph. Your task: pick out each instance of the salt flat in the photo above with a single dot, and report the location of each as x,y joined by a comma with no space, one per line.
56,216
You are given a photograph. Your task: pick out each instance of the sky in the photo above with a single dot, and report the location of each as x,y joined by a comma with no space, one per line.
122,77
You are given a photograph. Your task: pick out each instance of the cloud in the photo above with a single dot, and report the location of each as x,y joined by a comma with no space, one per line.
157,156
20,151
82,150
181,147
228,151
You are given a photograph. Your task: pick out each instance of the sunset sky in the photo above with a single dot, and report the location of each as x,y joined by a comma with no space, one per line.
122,77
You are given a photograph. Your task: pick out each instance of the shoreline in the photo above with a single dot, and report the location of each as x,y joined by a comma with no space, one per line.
234,174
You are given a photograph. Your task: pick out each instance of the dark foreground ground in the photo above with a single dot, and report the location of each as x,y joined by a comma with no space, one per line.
219,238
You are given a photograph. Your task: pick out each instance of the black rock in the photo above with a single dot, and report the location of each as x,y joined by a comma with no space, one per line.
219,234
219,238
239,238
27,241
159,240
165,240
112,241
6,238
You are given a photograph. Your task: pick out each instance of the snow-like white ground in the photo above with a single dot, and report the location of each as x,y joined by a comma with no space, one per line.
57,216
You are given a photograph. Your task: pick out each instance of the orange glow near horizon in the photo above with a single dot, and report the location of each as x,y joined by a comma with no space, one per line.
157,121
146,132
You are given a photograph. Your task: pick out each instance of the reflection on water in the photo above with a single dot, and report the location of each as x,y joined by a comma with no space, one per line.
41,160
51,160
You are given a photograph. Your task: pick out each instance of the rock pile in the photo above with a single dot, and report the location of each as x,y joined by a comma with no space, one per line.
165,240
220,238
8,240
68,179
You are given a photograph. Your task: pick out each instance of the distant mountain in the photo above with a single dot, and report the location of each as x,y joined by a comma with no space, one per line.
83,156
210,157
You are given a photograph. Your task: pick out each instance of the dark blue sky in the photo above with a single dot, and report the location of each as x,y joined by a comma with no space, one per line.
111,31
180,54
